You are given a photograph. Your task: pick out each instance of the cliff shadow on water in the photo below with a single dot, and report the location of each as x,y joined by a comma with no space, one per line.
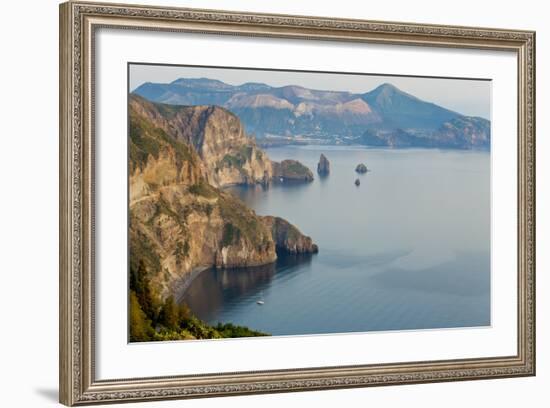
217,288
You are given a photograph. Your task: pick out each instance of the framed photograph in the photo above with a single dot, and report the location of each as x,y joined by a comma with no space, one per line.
256,203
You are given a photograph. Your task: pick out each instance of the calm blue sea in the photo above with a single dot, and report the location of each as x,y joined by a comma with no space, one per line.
407,249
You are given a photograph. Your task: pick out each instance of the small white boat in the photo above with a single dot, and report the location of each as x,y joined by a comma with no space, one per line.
260,302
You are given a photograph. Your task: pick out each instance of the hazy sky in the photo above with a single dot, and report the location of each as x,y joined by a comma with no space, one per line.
466,96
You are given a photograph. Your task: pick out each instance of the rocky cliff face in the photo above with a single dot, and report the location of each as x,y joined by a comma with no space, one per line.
228,155
179,220
287,238
466,132
180,228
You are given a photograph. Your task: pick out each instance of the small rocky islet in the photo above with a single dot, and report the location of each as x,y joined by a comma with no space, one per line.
323,167
361,168
291,171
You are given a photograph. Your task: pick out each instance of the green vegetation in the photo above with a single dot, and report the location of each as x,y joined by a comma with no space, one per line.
143,257
231,234
146,139
292,170
294,167
203,189
155,320
167,111
241,222
141,146
229,330
181,251
238,159
246,151
140,325
164,208
140,285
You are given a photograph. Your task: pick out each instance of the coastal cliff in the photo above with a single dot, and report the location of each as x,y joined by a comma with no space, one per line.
288,239
228,156
180,220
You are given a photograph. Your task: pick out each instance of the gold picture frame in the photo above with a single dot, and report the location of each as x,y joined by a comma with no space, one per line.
78,22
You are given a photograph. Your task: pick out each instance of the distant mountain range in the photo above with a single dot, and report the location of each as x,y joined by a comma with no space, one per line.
385,116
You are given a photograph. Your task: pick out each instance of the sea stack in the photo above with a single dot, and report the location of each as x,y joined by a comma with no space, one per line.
361,168
323,167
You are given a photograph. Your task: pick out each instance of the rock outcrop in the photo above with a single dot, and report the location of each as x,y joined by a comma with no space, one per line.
361,168
180,220
291,170
288,239
177,229
323,167
228,155
466,133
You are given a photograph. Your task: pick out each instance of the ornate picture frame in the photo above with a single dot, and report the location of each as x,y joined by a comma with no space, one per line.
79,22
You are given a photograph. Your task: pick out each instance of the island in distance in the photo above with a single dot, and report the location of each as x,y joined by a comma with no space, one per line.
383,117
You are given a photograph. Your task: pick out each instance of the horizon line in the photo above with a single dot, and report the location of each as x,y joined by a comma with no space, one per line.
135,63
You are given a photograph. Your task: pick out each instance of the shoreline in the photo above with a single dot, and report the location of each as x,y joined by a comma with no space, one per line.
179,288
358,146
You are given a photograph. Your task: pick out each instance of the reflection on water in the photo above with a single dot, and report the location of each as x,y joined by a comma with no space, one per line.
216,289
464,276
407,249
